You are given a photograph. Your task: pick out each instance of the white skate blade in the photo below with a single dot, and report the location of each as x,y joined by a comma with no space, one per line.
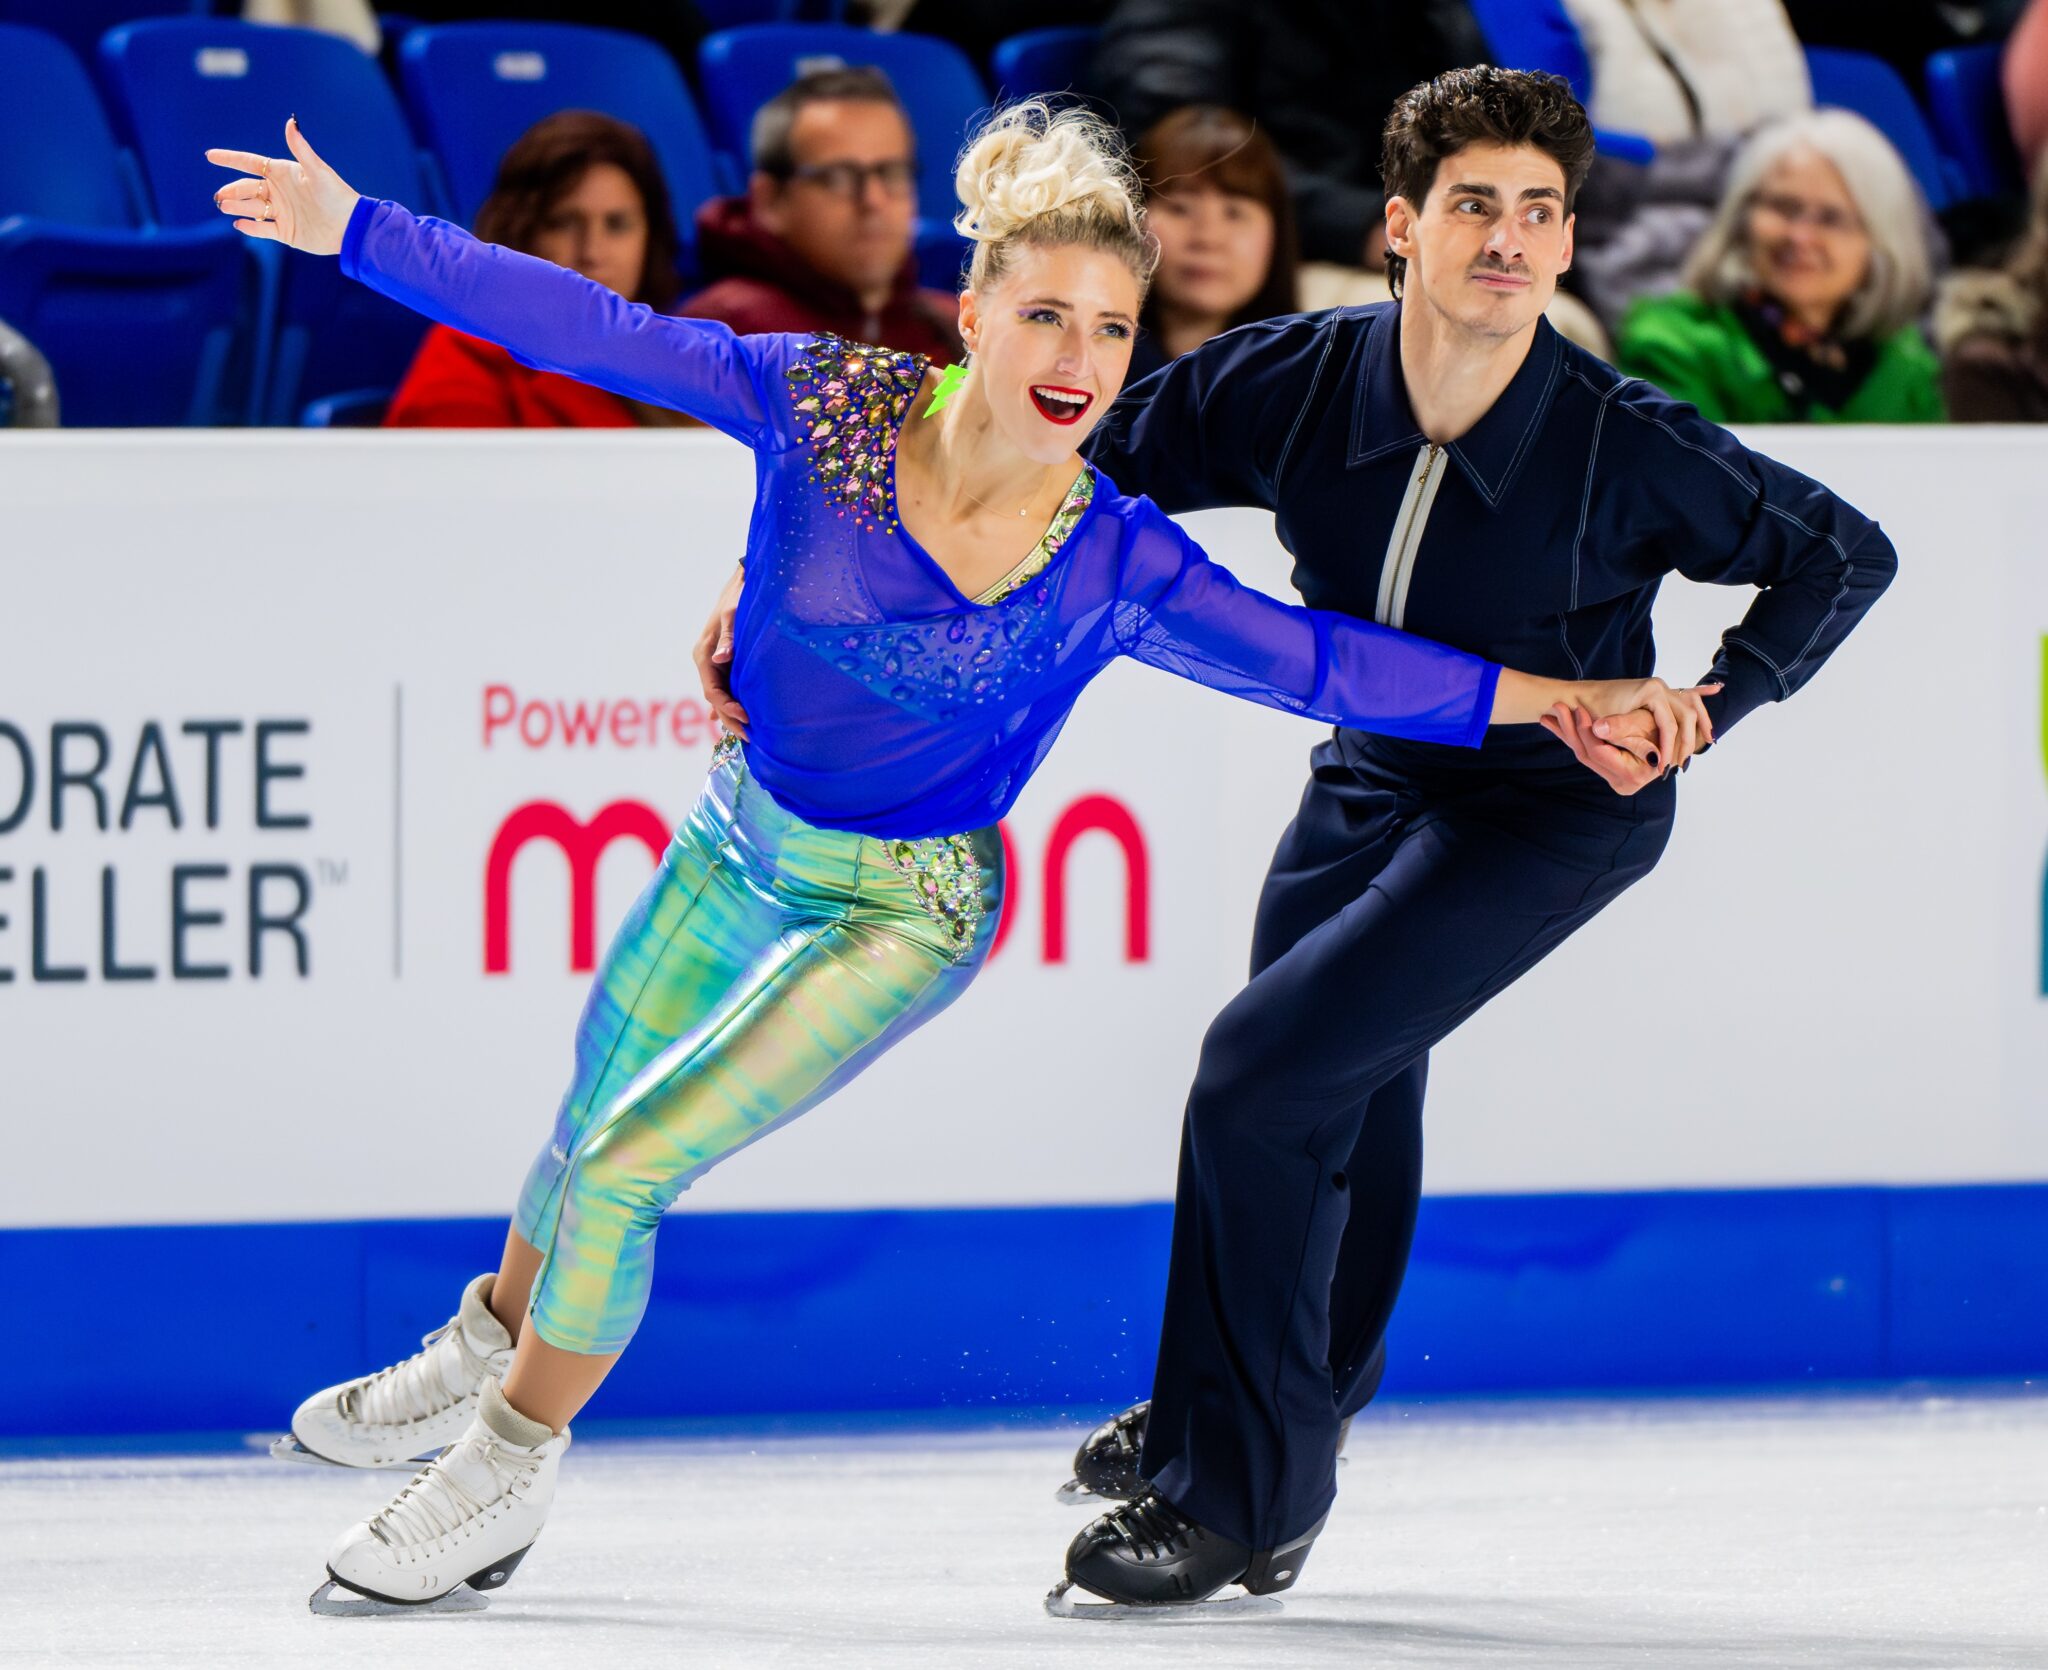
288,1448
1075,1494
331,1600
1231,1608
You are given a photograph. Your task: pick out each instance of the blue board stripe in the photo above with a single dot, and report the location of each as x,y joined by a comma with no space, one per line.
783,1313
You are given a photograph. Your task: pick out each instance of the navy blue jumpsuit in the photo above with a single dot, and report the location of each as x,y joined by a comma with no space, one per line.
1416,880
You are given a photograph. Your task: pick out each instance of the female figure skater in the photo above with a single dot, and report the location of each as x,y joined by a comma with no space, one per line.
924,602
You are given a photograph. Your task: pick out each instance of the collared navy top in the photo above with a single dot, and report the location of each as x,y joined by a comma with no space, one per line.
1537,539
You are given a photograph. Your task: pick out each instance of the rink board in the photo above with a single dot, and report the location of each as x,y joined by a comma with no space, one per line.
329,737
1056,1308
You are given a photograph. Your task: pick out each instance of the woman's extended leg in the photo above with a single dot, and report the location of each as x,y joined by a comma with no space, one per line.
850,944
816,1007
685,939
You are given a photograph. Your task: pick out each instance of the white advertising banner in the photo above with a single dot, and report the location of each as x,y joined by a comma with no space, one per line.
327,762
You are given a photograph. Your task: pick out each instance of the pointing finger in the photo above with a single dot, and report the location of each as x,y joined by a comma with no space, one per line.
247,161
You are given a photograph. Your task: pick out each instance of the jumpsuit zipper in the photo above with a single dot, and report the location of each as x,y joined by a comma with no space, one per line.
1398,568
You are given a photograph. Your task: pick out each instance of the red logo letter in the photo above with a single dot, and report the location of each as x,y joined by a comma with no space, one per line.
583,844
1099,811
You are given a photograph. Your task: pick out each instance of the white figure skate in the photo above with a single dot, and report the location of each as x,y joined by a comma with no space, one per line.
403,1415
458,1531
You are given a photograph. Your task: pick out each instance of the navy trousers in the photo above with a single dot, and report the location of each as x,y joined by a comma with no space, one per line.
1396,905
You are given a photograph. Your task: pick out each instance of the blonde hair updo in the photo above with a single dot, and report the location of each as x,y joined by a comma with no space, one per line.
1038,177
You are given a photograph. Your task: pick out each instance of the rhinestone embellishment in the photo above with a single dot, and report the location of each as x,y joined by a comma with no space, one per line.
946,876
850,402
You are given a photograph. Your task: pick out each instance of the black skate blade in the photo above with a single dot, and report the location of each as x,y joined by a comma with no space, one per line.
1227,1609
288,1448
335,1599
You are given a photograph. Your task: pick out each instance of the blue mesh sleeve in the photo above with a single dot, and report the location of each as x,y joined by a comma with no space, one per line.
1178,611
555,320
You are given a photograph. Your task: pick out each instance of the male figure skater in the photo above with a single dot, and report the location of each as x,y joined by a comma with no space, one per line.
1447,463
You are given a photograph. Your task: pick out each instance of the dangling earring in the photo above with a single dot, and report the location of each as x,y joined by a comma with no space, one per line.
950,382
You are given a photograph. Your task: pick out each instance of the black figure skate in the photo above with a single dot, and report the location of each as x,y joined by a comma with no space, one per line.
1106,1464
1147,1560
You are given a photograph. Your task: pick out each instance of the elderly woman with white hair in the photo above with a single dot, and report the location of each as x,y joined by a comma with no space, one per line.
1801,299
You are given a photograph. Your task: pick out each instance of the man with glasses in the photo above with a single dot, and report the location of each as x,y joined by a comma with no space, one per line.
822,239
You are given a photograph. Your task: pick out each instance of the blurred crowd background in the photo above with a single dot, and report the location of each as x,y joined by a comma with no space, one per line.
1802,211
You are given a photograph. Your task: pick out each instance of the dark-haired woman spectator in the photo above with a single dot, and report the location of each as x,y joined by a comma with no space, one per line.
1801,298
1992,328
583,191
1216,198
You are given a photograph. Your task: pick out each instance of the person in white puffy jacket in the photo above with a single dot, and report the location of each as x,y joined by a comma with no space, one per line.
1691,69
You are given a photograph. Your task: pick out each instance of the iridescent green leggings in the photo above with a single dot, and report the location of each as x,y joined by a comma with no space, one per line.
765,965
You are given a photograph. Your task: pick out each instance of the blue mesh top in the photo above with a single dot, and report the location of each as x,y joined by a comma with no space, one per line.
881,699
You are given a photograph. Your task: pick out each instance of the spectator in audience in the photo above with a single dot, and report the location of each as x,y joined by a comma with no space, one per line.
353,20
2024,72
821,241
583,191
1992,328
1216,200
1317,76
1690,69
1801,298
1698,77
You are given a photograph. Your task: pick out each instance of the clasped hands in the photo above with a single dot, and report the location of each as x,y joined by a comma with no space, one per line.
1649,732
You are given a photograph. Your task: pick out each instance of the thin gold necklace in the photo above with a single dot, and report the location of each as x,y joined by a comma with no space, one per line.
985,505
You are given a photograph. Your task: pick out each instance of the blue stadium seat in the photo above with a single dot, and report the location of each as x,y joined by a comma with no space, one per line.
1044,61
1540,35
474,88
1536,35
1966,101
79,24
140,327
742,69
1873,89
182,85
58,160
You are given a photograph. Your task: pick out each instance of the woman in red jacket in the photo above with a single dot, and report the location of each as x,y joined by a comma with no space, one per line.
583,191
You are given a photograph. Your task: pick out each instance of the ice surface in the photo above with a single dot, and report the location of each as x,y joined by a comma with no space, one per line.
1879,1533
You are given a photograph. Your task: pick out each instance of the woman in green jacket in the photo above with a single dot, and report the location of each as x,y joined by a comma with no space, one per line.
1801,298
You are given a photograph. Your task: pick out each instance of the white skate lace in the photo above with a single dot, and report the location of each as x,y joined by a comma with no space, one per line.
414,1389
437,1504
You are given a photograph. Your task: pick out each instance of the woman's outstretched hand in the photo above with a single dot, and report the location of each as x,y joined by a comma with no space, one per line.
297,200
1633,732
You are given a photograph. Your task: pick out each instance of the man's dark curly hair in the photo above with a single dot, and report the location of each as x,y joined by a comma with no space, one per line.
1480,106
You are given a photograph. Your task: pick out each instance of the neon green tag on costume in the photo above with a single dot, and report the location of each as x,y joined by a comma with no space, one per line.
950,381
